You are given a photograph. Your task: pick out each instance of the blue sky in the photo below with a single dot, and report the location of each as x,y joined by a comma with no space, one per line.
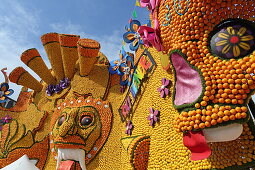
23,22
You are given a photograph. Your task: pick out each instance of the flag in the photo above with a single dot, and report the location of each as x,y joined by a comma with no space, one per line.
137,3
134,14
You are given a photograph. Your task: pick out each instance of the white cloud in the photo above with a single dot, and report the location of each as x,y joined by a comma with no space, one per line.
17,27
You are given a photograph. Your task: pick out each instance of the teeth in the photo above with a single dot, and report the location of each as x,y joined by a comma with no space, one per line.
223,133
72,154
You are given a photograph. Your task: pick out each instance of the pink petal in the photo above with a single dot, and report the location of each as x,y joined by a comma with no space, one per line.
159,89
131,126
166,91
162,94
151,110
156,112
163,80
148,118
151,122
166,83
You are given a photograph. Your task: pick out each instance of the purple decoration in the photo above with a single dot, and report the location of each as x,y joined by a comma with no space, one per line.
164,91
58,88
6,119
50,90
129,127
123,88
153,117
64,83
126,107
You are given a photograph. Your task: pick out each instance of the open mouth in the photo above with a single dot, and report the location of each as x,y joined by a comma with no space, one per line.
70,155
188,89
188,85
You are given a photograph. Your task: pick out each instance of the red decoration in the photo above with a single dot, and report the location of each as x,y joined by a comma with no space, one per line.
196,143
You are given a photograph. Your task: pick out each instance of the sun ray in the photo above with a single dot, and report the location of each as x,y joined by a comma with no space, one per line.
245,46
220,43
226,49
247,38
241,31
231,30
236,51
223,35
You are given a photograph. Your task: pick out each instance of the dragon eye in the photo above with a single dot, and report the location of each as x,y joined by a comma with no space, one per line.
86,120
233,39
61,120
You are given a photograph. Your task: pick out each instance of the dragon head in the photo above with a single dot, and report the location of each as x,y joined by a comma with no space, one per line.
80,128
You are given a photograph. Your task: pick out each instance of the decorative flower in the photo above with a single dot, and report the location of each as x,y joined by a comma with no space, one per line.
132,36
58,88
233,41
153,117
126,107
151,36
4,92
150,4
129,127
115,65
6,119
164,91
64,83
123,67
50,90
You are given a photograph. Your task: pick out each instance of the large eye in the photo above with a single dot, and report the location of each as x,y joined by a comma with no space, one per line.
61,120
233,39
86,120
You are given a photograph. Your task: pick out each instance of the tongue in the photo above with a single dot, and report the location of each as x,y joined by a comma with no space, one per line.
69,165
196,143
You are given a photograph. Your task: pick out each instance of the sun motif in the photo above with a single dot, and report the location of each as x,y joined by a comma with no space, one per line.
233,41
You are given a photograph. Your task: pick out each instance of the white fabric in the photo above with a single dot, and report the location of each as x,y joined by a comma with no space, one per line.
23,163
223,133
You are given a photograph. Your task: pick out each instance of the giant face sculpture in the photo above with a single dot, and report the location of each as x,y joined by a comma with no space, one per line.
80,128
211,47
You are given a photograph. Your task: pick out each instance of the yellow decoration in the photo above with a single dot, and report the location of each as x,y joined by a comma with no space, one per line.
228,85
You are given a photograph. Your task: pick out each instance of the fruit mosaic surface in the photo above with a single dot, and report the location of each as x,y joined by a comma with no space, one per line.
178,101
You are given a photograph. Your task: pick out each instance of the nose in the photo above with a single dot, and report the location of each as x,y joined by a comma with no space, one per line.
65,128
73,130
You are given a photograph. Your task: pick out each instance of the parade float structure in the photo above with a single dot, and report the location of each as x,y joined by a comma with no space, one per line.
181,100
